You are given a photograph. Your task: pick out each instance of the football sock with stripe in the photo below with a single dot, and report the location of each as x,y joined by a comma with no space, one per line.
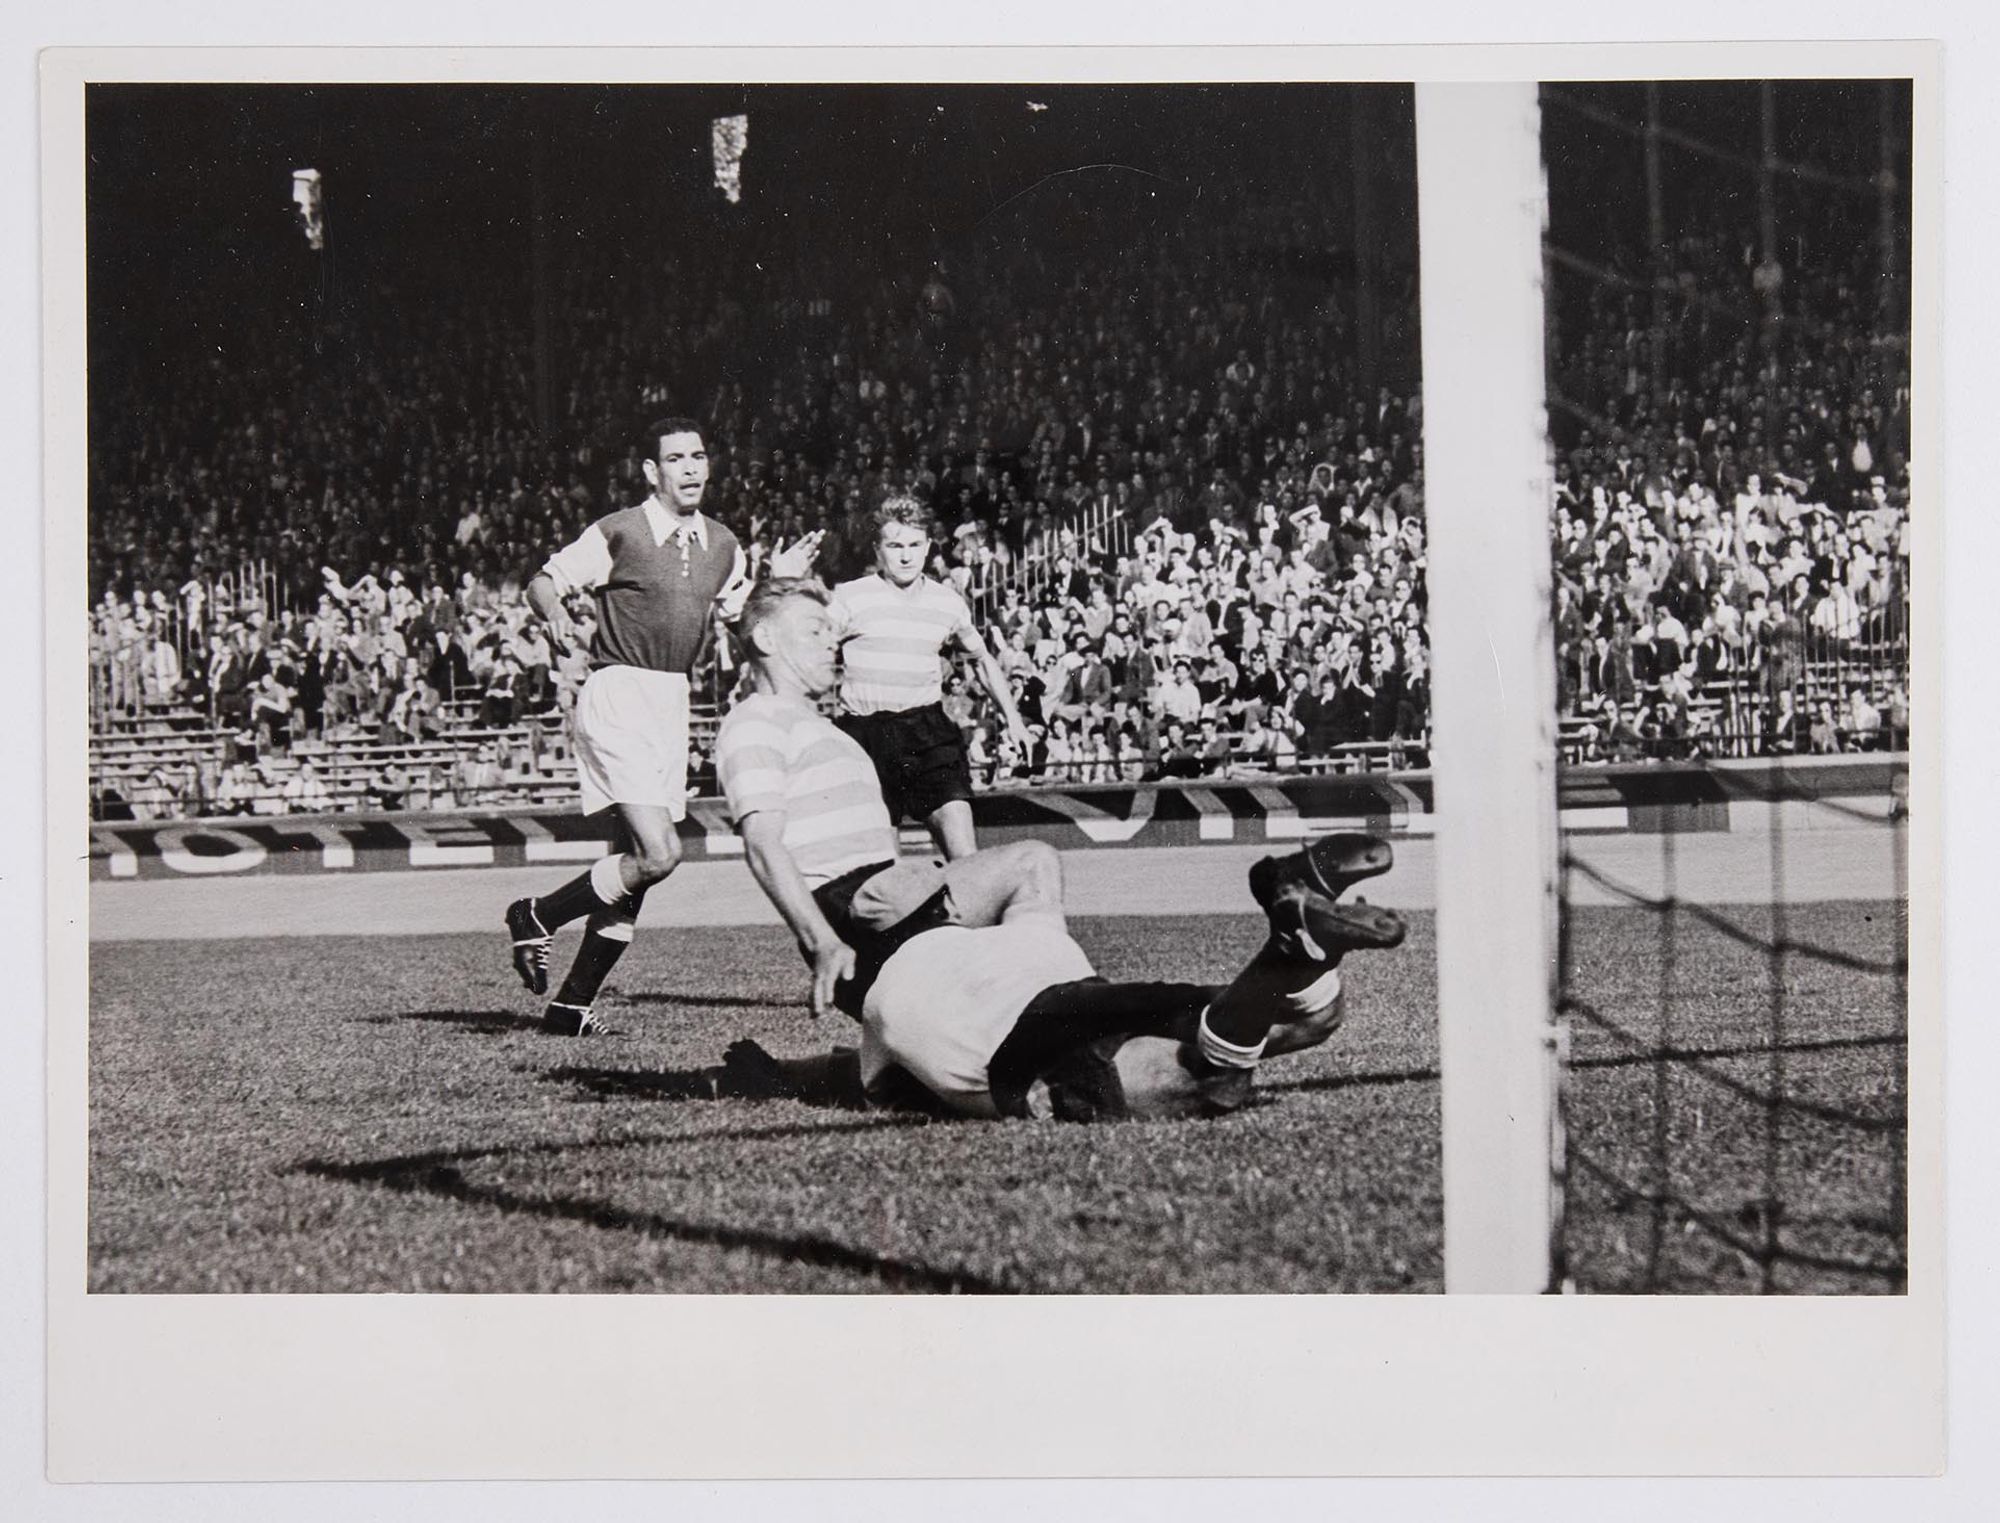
602,887
1273,988
606,935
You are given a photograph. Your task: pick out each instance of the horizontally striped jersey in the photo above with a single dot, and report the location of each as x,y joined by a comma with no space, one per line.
891,638
782,754
656,579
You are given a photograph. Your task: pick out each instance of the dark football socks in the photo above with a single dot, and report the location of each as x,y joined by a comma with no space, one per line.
602,887
605,938
1273,988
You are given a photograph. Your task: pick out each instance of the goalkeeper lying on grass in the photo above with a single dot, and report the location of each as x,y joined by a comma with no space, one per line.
984,1005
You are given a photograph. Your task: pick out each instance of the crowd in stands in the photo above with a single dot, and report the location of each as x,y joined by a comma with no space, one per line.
1732,547
1198,548
447,676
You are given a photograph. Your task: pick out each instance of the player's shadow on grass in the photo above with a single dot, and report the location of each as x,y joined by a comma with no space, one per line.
474,1022
638,1084
718,1001
441,1176
1354,1081
679,1084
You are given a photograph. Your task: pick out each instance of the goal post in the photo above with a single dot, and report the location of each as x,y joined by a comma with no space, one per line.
1481,215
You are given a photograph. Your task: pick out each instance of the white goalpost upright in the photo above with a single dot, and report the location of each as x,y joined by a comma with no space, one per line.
1481,214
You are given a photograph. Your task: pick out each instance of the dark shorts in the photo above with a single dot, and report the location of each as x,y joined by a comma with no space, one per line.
919,756
1069,1037
874,943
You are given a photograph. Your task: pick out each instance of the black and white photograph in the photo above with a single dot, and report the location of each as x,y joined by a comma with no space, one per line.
502,497
1282,688
591,586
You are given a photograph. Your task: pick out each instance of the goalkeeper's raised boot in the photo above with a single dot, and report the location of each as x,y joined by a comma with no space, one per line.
531,946
1299,896
570,1020
1333,864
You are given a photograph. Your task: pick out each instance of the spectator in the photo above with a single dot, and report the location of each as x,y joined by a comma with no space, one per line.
1086,687
235,788
306,792
1179,698
271,711
155,798
1257,748
958,706
479,777
1862,720
1896,718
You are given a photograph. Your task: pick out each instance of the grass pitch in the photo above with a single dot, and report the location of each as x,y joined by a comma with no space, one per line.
381,1114
335,1114
1738,1120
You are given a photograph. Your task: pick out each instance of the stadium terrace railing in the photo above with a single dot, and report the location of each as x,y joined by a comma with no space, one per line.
182,775
1747,715
1726,719
1100,531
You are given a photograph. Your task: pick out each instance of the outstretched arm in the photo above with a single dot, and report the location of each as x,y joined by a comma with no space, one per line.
993,677
748,1072
771,864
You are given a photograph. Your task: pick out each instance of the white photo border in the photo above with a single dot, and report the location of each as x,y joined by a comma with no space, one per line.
404,1387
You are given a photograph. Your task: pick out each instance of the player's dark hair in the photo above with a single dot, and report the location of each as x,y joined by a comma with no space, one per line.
905,510
662,427
765,599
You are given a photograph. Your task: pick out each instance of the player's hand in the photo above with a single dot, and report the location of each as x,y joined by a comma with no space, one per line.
797,559
1018,733
831,964
562,630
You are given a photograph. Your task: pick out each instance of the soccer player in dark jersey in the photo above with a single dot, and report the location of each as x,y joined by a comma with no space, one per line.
659,573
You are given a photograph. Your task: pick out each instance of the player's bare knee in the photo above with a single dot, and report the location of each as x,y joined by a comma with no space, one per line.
1040,867
651,864
951,828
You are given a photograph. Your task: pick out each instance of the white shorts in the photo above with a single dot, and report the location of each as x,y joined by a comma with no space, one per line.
630,735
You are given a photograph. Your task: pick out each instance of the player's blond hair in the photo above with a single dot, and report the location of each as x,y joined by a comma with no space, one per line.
766,599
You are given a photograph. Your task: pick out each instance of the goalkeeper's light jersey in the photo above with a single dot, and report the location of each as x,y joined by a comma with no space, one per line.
948,998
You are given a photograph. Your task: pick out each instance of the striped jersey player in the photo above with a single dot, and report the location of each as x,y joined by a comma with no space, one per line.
970,991
893,626
659,573
817,833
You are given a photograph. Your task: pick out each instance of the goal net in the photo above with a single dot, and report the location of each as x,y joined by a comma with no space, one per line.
1666,359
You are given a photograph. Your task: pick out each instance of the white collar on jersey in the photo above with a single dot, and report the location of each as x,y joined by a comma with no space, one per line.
665,526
